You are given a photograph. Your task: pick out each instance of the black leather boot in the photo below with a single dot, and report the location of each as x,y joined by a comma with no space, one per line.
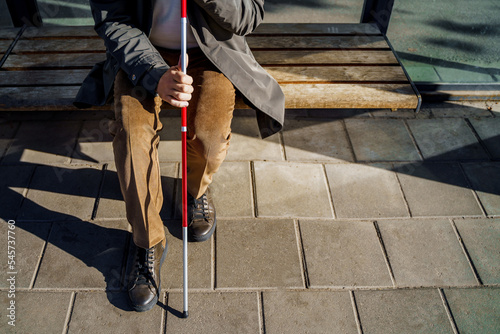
201,217
144,279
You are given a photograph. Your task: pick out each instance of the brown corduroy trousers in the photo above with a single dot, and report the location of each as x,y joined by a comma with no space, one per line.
135,144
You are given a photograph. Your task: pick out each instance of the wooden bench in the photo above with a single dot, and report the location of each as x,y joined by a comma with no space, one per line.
317,65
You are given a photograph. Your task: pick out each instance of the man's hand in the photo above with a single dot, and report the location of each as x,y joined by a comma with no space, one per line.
175,87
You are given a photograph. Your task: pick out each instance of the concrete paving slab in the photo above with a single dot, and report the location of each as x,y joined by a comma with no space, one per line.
475,310
308,312
488,130
84,255
402,311
484,179
169,180
459,109
493,106
316,140
95,143
43,142
199,259
437,189
214,313
13,184
7,131
365,191
232,190
36,312
246,143
27,240
480,237
257,254
112,205
61,192
425,253
343,254
388,113
446,139
291,190
381,140
100,312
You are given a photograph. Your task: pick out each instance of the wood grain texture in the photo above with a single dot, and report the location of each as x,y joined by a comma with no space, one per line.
37,61
319,96
4,44
303,74
317,28
303,57
59,32
84,45
9,33
350,96
264,28
42,77
317,42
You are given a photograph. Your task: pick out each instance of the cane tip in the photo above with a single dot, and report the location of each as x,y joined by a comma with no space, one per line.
185,314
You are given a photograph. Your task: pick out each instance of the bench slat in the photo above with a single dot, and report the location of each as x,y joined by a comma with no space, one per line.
337,74
317,28
297,96
9,33
4,45
67,60
278,57
60,32
265,28
70,45
299,58
281,74
42,77
86,45
317,42
349,96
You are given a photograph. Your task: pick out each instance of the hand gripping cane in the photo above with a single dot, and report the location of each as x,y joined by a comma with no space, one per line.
184,165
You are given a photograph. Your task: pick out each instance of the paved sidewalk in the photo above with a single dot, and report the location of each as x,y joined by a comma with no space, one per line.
346,222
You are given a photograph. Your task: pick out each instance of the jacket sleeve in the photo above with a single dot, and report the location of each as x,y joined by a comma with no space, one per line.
240,17
127,43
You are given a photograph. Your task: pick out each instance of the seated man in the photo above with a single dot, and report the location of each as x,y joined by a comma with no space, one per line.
141,71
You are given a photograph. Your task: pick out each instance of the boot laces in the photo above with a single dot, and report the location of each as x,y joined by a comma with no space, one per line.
200,207
144,266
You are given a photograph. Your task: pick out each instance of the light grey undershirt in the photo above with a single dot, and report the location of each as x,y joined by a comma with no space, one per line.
166,28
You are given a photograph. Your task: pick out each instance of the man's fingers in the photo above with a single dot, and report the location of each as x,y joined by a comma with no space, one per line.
184,88
181,97
187,61
175,102
181,77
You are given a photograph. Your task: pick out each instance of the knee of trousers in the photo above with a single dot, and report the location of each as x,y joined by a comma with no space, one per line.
208,152
136,122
